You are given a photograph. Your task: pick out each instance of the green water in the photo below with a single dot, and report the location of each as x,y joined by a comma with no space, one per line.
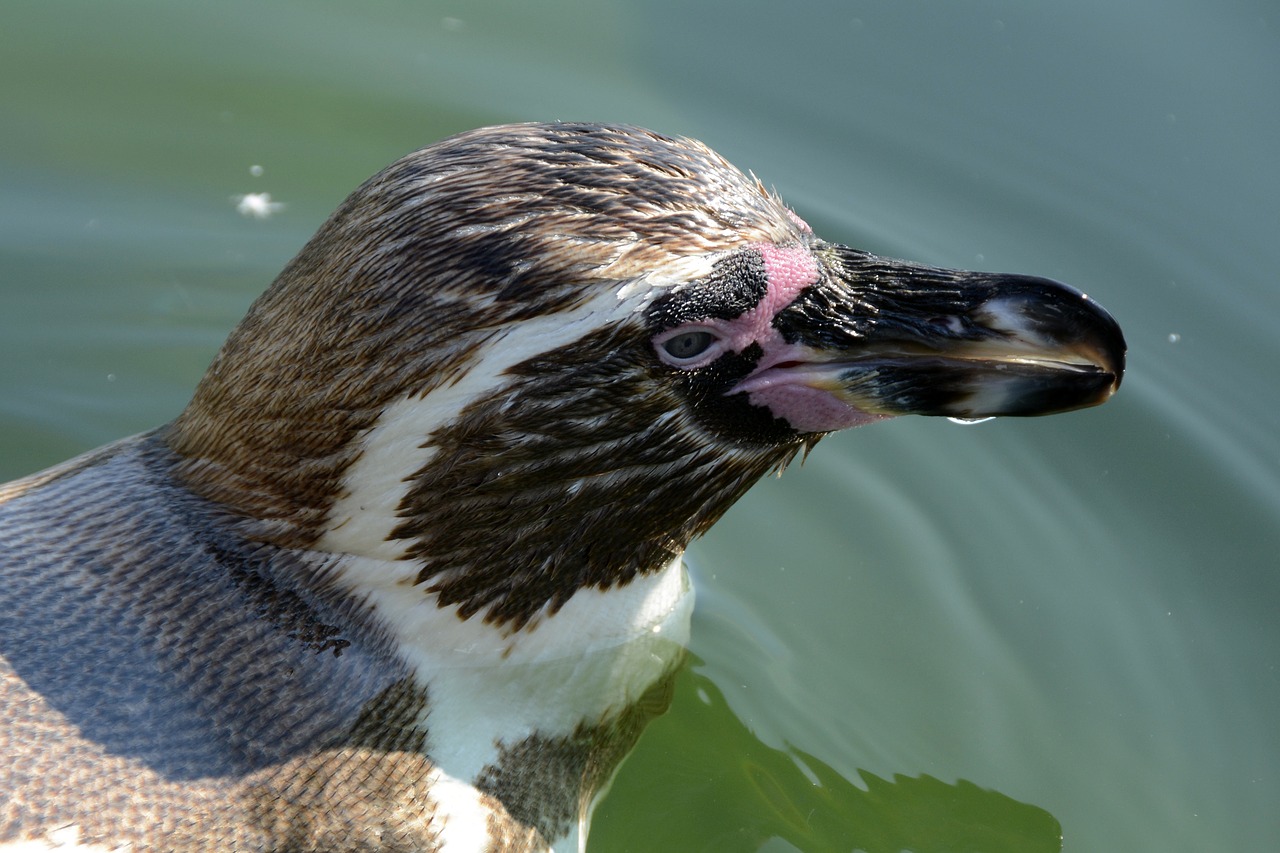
930,637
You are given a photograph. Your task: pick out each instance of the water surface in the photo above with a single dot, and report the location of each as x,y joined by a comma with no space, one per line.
1068,622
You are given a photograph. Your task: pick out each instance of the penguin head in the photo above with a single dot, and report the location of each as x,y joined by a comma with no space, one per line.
538,357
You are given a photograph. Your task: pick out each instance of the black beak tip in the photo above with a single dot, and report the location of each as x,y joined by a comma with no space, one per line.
1110,342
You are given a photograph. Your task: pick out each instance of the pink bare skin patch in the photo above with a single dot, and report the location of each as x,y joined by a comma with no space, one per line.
785,381
802,396
789,270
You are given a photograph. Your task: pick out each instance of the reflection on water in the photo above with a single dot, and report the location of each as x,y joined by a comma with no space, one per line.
712,785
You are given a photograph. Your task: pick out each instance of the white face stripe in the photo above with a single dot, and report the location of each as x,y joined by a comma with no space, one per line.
362,518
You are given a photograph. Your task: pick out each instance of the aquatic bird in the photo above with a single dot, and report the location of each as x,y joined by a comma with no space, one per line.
406,572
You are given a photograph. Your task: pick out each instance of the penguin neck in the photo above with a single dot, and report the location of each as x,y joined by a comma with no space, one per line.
552,707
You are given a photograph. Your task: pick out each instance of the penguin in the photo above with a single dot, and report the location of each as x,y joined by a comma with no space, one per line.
406,575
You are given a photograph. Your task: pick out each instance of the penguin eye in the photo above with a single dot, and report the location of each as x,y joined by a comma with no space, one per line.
688,345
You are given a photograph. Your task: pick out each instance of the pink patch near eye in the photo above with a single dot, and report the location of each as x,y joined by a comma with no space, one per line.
778,382
789,269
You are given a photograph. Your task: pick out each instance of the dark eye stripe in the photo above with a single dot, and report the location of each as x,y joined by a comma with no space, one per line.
736,284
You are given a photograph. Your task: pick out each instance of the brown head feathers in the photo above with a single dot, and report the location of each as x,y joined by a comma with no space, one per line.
435,260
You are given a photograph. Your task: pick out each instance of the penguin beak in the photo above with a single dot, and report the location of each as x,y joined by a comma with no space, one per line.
887,337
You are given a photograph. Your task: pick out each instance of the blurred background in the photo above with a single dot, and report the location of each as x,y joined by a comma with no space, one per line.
930,636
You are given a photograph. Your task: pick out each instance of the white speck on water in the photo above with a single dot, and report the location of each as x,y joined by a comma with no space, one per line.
256,171
453,25
257,205
111,377
1174,337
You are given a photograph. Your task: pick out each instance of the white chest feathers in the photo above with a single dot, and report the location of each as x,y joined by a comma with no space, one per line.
489,688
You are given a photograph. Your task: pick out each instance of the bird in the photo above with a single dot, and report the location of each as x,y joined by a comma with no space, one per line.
406,573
